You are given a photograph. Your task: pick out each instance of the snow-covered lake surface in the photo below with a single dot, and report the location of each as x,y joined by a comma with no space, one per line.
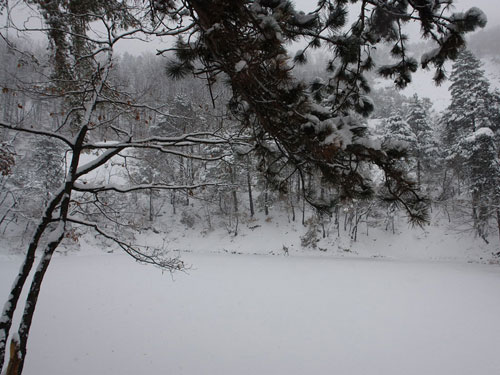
260,314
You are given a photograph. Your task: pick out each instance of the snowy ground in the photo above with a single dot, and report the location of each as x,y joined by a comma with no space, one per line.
261,314
440,241
421,301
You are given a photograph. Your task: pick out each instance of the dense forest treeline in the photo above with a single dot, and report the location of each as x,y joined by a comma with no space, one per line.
454,165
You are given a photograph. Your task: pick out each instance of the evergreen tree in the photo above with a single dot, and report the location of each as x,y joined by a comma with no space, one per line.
482,163
471,103
397,131
48,157
385,100
469,139
424,148
493,108
399,138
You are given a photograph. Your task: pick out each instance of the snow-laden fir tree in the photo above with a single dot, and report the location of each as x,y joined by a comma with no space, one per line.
469,139
481,161
396,133
424,148
471,103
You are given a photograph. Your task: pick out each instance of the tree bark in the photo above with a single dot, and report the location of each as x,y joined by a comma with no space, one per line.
16,363
249,184
13,299
498,221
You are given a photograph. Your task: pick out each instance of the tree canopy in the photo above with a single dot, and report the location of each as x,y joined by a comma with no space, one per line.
315,124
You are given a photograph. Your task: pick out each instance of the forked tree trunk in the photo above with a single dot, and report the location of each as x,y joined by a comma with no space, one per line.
13,298
20,342
57,236
62,198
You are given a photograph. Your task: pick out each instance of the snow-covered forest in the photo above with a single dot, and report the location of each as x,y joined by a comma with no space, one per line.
318,211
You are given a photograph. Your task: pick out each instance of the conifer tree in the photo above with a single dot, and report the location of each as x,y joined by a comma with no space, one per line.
472,107
469,139
398,136
468,88
424,148
397,130
482,163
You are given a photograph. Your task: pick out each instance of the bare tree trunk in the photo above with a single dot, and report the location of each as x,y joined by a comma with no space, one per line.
233,192
419,173
236,225
303,200
322,221
303,212
498,221
13,367
172,201
151,205
337,220
249,184
266,197
266,206
345,220
235,198
445,183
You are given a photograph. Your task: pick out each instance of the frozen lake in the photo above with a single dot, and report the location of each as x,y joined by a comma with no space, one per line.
242,314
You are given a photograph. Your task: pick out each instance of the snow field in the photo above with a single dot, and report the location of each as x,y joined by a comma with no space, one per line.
256,314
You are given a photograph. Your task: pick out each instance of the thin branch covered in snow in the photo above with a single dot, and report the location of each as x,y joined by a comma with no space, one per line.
89,188
43,133
141,253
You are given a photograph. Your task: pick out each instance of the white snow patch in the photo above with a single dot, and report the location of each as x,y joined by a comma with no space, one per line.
303,18
240,65
480,133
373,143
428,56
484,131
